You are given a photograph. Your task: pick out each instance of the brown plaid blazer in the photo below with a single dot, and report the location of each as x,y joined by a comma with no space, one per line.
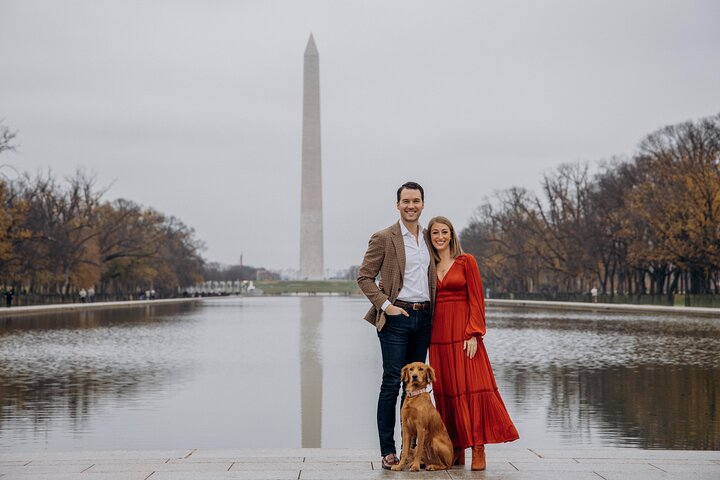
386,256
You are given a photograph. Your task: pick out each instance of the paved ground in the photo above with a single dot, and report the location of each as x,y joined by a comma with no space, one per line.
504,462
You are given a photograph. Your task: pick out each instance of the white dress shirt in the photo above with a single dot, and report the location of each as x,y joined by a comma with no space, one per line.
417,261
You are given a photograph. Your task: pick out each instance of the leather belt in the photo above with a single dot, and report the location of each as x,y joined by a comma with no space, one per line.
412,306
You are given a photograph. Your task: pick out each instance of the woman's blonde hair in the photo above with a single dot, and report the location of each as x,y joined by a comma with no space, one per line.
455,248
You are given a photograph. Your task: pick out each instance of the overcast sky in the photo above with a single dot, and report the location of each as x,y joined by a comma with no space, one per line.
194,108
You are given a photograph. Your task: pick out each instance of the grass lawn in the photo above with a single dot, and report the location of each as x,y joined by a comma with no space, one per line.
342,287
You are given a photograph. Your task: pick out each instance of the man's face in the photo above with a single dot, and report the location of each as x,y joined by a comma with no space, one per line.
410,205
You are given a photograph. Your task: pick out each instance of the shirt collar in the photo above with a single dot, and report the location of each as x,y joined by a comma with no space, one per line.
405,231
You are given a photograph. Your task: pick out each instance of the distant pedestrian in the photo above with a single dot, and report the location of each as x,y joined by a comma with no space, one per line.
594,294
83,295
9,294
91,294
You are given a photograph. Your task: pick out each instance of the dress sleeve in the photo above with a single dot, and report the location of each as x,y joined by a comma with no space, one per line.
476,320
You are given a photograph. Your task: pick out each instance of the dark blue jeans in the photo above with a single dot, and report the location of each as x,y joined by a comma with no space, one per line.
403,340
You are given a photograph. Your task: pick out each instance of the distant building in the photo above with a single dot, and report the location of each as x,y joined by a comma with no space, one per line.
263,275
352,273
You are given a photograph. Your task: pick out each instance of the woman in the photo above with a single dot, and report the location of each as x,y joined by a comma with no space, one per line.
465,391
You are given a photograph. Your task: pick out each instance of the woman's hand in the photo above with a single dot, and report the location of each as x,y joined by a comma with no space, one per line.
470,347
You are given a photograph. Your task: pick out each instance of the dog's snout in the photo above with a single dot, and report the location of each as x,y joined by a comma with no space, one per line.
415,377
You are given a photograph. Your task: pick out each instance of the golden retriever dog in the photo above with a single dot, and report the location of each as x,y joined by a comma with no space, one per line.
420,418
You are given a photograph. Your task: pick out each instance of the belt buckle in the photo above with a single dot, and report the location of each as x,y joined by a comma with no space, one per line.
417,306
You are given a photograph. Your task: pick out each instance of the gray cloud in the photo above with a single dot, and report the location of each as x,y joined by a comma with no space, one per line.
194,108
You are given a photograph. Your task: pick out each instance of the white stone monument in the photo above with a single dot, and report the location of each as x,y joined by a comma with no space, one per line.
311,219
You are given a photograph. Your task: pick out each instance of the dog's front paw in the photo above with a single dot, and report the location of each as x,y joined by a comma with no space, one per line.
396,468
415,467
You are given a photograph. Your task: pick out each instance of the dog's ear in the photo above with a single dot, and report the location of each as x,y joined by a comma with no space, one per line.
430,374
404,374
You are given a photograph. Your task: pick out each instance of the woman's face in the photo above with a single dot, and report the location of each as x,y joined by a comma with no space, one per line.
440,235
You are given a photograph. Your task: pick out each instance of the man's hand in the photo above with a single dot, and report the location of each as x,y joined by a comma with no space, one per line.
394,310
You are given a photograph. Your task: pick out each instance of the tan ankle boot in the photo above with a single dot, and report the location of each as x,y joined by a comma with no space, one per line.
478,457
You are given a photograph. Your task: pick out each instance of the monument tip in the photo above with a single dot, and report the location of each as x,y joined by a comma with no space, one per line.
311,49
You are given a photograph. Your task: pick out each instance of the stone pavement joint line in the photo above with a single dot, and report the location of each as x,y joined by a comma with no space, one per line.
505,462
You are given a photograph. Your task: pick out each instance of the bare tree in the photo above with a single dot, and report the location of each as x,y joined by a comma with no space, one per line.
6,138
646,225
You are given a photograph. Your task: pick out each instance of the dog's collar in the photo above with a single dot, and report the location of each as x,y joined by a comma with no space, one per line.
415,393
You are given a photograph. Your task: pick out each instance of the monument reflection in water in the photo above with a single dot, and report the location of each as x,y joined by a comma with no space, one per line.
311,372
305,372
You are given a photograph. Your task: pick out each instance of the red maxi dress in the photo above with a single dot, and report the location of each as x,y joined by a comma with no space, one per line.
465,391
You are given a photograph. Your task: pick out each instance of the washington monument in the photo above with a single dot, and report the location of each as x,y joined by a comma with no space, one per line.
311,219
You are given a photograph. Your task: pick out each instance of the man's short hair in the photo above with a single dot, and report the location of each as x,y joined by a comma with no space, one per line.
411,186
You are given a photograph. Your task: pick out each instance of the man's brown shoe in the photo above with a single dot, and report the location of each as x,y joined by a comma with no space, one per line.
389,461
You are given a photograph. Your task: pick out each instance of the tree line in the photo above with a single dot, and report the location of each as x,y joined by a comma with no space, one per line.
649,224
57,237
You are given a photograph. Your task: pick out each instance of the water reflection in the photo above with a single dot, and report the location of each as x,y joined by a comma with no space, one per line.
60,368
641,406
633,380
311,372
93,318
601,340
627,402
224,374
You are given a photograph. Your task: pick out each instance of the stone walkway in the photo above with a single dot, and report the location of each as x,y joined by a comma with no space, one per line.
605,307
69,307
572,306
504,463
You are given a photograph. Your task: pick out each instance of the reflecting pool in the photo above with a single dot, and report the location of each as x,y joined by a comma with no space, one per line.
288,372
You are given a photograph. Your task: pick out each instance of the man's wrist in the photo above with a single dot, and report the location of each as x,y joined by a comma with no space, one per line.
386,305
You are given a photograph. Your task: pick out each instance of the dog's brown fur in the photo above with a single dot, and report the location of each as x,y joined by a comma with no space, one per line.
421,419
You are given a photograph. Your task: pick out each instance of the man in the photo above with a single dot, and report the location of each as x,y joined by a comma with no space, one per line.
402,309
